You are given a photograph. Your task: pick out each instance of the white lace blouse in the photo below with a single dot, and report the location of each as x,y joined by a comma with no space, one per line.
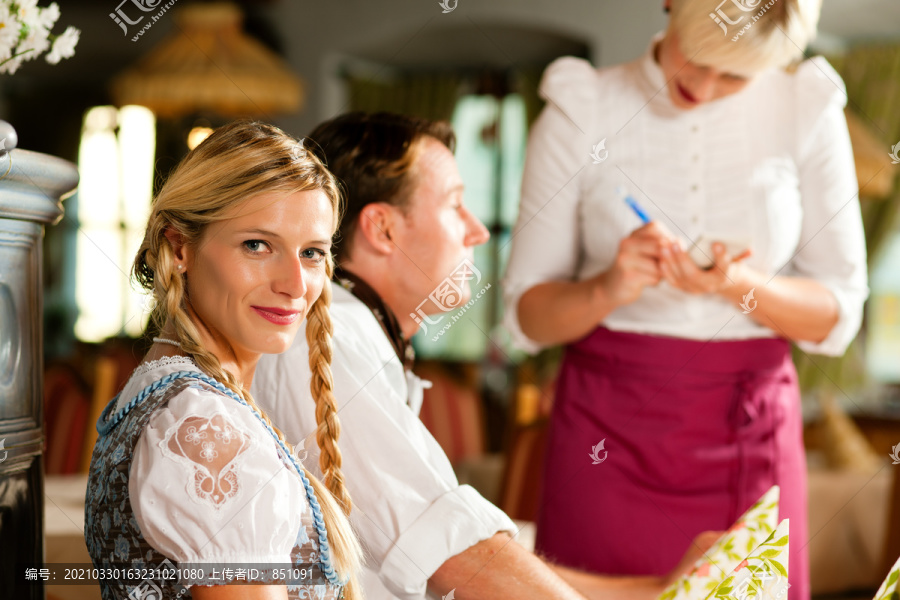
207,484
771,164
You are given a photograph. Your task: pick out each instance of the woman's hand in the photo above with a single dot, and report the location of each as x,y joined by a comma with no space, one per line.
637,264
681,272
702,542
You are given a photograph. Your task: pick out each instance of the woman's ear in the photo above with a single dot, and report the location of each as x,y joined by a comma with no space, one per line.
375,228
179,248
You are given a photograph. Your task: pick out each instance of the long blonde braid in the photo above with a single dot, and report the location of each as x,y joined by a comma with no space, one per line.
319,330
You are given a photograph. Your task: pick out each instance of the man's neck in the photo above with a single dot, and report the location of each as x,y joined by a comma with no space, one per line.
381,285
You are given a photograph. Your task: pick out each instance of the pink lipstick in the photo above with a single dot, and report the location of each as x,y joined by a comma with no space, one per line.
685,94
279,316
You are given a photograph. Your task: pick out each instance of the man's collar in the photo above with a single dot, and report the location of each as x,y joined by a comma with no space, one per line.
382,312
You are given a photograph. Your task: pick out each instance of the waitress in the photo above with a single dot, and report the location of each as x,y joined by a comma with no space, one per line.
685,373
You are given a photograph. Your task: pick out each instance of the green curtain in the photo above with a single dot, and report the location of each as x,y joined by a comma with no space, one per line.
525,82
872,76
432,95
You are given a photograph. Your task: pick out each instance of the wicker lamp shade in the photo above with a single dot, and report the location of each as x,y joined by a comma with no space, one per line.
210,65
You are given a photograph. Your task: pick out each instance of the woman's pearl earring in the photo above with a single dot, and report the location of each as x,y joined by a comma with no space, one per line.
181,267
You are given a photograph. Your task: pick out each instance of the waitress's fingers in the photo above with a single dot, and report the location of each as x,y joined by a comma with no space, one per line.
639,246
723,262
668,273
644,277
674,258
662,232
641,264
654,231
743,255
692,278
721,256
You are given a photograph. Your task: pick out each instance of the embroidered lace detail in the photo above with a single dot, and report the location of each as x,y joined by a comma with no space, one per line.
211,448
165,361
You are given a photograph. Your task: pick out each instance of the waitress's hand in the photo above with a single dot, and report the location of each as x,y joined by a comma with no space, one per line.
637,264
682,273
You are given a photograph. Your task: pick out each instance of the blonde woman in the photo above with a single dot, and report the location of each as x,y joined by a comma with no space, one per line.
727,139
188,472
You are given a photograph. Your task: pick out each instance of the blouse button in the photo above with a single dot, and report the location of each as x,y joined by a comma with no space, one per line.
695,128
695,187
695,158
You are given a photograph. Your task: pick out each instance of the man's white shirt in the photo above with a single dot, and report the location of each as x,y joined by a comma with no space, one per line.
409,511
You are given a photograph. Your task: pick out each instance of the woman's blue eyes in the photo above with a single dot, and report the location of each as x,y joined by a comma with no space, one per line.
254,245
258,246
313,253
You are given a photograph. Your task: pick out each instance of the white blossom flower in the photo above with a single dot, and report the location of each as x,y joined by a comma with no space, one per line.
48,16
9,33
29,14
11,65
64,45
34,44
25,34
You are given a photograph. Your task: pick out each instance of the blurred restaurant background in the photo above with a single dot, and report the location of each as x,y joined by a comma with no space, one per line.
132,100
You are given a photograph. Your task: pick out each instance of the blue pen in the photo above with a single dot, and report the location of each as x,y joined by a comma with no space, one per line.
632,203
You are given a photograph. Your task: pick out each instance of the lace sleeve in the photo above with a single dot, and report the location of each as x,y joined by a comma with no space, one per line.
208,485
212,449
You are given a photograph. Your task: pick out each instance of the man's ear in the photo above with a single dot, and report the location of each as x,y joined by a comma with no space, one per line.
375,227
179,248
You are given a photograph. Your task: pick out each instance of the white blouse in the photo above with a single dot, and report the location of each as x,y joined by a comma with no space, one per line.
409,511
771,164
207,484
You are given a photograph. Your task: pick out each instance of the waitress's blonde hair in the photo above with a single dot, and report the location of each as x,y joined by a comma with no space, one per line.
777,38
238,162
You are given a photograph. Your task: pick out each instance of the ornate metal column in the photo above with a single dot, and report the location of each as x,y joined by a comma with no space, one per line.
31,196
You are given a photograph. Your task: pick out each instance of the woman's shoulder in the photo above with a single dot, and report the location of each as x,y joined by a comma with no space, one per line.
813,96
578,77
174,389
817,77
580,90
153,375
568,73
814,85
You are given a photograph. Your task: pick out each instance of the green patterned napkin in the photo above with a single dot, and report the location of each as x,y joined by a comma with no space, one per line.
763,575
890,588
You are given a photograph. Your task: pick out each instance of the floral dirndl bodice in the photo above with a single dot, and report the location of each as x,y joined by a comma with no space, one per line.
187,485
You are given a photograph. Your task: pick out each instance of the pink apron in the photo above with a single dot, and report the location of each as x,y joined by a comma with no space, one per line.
695,432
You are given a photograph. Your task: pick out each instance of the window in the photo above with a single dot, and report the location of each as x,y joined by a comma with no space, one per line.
115,160
883,328
490,152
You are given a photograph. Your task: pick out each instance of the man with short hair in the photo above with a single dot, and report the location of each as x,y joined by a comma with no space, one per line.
405,229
